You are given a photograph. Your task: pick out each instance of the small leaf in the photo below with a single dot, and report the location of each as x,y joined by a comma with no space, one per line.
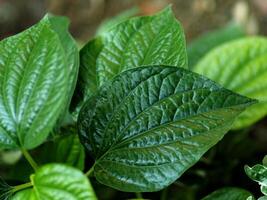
229,194
240,66
150,124
203,44
258,173
157,39
34,79
57,182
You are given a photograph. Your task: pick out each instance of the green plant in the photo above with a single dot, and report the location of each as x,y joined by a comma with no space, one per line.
139,112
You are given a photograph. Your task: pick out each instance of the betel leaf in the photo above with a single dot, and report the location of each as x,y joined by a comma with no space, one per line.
157,39
258,173
206,42
35,81
150,124
229,194
57,182
241,67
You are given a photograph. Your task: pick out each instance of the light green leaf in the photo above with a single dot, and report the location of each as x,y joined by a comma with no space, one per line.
258,173
206,42
150,124
229,194
157,39
240,66
57,182
264,161
263,198
35,83
110,23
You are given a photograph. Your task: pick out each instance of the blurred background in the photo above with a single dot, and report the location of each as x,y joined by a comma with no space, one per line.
223,164
197,16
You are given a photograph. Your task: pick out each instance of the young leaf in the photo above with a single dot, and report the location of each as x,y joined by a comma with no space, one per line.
57,182
35,83
157,39
258,173
203,44
240,66
229,194
150,124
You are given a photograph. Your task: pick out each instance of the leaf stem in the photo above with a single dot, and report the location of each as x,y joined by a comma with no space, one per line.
139,195
89,173
21,187
29,158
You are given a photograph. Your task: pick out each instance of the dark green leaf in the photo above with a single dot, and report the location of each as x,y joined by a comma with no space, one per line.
157,39
229,194
203,44
150,124
240,66
57,182
35,83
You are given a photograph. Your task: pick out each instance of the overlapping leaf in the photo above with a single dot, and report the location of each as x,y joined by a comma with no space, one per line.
151,124
240,66
38,70
147,40
229,194
57,182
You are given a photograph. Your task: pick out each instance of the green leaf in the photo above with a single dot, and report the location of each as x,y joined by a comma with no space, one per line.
65,149
229,194
110,23
258,173
157,39
60,26
264,161
206,42
57,182
240,66
150,124
35,84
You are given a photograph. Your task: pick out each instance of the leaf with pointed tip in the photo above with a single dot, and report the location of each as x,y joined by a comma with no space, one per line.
240,66
57,182
229,194
35,83
157,39
258,173
150,124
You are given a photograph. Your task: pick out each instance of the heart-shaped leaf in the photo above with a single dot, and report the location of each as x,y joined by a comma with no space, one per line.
35,83
240,66
229,194
157,39
57,182
150,124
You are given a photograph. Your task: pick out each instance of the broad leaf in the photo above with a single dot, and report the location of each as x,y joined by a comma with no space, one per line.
150,124
206,42
35,84
229,194
258,173
57,182
148,40
240,66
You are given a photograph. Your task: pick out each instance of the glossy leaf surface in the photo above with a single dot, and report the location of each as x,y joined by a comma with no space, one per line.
229,194
57,182
35,83
151,124
240,66
157,39
258,173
